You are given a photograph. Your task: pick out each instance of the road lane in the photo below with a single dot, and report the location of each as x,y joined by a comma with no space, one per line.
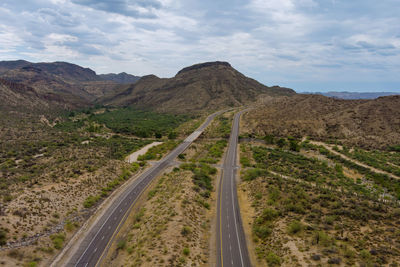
231,241
98,239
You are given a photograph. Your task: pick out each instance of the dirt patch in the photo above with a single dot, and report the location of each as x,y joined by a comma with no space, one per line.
295,252
134,156
353,160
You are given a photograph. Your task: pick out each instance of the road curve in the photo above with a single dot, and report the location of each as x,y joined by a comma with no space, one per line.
98,239
231,240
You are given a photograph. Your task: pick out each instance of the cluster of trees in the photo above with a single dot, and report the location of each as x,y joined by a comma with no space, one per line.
290,142
141,123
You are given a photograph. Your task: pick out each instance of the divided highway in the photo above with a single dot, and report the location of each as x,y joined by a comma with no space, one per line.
231,241
98,239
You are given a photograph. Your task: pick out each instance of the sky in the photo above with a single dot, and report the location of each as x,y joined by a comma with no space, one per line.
307,45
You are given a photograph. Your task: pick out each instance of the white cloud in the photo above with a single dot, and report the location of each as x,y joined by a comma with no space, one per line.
274,40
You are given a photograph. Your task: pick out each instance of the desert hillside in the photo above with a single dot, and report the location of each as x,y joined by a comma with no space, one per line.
206,86
366,123
59,82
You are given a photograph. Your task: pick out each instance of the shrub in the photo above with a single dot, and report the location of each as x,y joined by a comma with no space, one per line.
339,168
323,239
294,145
188,166
172,135
330,220
273,259
69,226
7,197
281,142
186,230
269,214
334,260
295,227
90,201
252,174
365,254
58,240
121,244
186,251
269,139
3,237
262,231
151,194
244,161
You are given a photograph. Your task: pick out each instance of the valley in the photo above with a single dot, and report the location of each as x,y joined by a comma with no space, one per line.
272,178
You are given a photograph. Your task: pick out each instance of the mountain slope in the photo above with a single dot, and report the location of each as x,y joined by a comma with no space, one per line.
46,83
206,86
21,98
367,123
73,85
122,77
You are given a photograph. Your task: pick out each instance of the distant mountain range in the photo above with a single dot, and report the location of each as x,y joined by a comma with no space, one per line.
354,95
201,87
122,77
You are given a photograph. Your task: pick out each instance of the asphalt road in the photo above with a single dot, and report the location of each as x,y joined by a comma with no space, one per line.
98,239
231,241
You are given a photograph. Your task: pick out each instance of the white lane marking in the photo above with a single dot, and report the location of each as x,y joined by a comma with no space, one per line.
234,218
95,250
122,197
102,237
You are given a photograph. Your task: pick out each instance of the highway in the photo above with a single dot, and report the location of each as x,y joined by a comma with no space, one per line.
231,241
98,239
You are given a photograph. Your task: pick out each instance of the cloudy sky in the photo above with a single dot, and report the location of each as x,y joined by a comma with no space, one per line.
308,45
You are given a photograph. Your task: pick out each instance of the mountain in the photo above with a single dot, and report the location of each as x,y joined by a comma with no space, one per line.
10,65
356,95
45,82
73,85
367,123
122,77
18,97
205,86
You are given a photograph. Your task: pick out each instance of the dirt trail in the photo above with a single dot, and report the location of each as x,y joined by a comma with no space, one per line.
353,160
134,156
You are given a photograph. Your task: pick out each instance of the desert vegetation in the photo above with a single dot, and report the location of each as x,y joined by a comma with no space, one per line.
311,207
172,226
55,172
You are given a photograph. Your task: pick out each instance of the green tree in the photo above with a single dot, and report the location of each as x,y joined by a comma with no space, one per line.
294,145
269,139
172,135
281,142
